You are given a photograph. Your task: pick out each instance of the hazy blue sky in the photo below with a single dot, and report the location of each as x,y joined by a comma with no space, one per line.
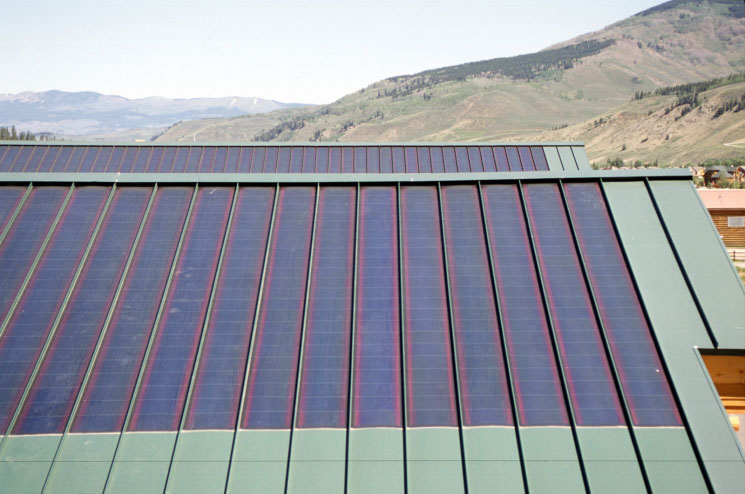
312,52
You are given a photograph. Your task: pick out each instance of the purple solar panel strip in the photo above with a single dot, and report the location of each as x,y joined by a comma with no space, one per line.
335,160
270,159
21,159
461,158
438,165
429,369
539,158
386,160
238,160
411,162
155,158
450,164
62,158
50,400
205,162
257,162
169,156
283,161
106,398
36,156
192,162
10,156
161,397
360,159
24,239
483,383
347,159
89,159
586,368
474,157
49,157
128,161
526,158
10,197
640,371
217,388
373,159
399,161
143,156
102,160
376,391
501,157
425,164
535,375
272,374
296,160
28,328
218,163
322,160
114,162
325,366
309,160
513,158
487,158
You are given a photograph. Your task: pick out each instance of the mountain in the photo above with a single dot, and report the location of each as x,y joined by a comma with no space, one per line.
88,113
522,97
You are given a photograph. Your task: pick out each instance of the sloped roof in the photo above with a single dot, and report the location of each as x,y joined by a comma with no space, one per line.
723,198
422,332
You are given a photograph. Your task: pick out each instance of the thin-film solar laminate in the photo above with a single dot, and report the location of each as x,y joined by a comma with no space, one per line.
513,159
51,398
270,159
411,161
161,396
46,163
76,157
35,159
217,386
334,160
257,161
461,159
526,158
153,162
373,159
347,160
429,369
474,157
179,162
128,161
438,166
325,364
360,159
9,157
642,376
31,322
399,160
89,159
106,398
283,161
25,238
296,160
533,366
114,162
376,389
501,158
166,163
589,380
205,163
273,369
449,157
218,162
539,158
483,384
102,160
386,160
143,156
19,164
425,164
238,160
10,197
487,159
62,158
192,162
309,160
322,160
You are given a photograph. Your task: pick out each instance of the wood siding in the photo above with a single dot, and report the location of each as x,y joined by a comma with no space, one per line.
732,237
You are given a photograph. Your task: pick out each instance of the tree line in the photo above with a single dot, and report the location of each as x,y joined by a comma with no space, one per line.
10,134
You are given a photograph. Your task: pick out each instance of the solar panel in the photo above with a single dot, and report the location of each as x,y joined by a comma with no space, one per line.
217,388
32,321
106,399
51,398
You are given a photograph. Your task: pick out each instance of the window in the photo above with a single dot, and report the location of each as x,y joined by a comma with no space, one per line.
736,221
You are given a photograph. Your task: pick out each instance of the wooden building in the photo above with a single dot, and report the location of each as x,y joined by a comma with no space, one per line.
727,210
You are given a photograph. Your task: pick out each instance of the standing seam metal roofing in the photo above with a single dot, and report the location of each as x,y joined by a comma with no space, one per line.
358,333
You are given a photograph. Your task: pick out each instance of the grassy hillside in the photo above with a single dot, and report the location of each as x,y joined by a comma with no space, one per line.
520,97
